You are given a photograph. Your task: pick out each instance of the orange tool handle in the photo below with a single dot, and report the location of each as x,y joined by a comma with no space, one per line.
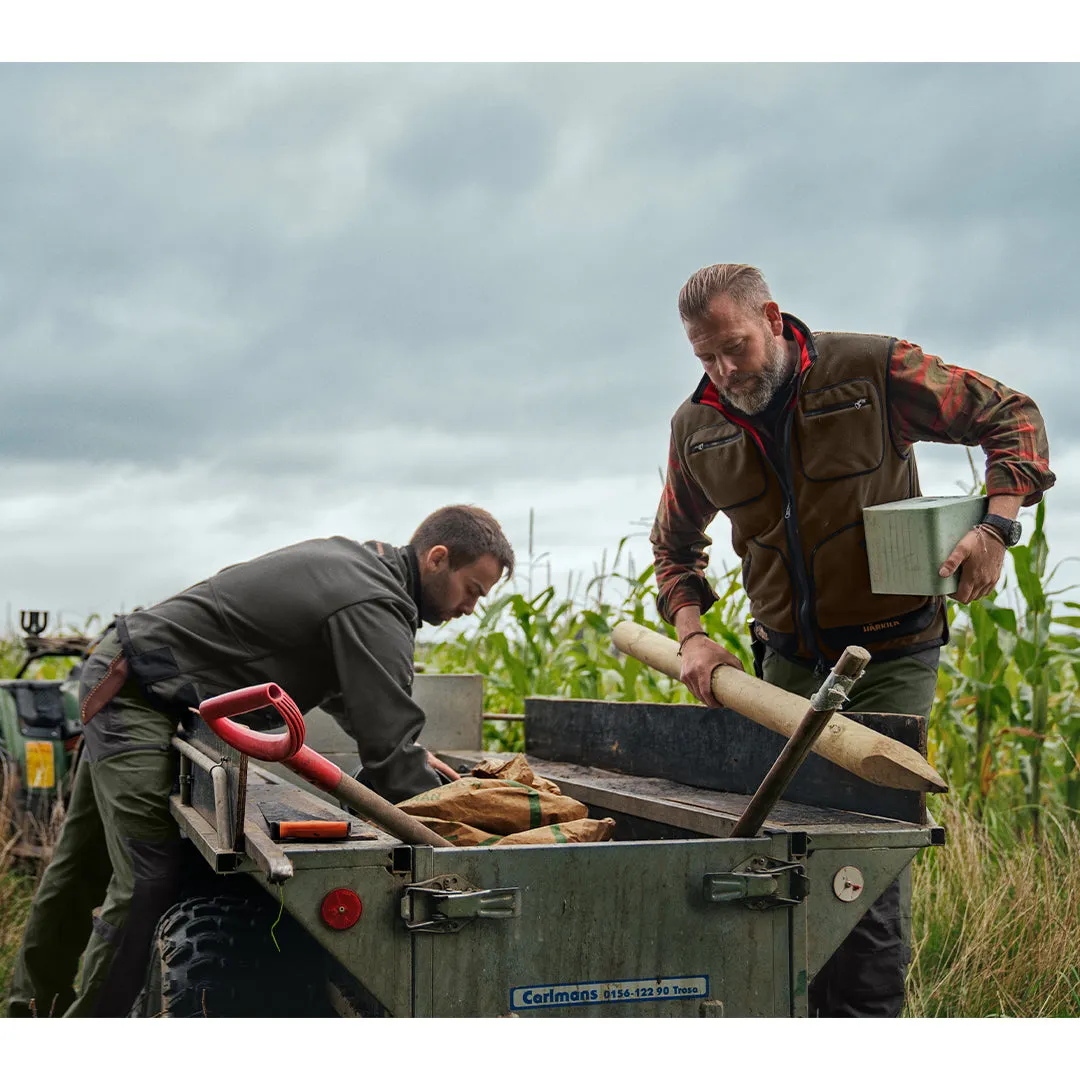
308,830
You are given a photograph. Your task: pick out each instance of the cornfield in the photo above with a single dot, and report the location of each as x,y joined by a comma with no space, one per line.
1005,730
996,921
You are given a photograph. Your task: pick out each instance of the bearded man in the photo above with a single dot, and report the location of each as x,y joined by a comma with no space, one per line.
790,434
333,622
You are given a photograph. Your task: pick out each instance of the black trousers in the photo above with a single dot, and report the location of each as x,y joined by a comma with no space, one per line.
865,976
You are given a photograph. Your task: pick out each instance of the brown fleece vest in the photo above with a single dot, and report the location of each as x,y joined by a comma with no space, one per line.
800,536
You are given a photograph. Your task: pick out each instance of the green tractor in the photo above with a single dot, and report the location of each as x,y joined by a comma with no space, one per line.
40,732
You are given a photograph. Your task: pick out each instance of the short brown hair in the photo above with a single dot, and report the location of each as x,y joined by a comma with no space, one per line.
467,532
746,285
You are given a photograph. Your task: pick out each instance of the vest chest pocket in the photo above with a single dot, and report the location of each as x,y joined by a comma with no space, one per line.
840,431
726,465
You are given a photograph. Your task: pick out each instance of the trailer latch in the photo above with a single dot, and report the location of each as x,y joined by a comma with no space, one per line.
759,883
443,905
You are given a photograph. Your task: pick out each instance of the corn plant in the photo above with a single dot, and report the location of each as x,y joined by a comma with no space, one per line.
1005,727
546,646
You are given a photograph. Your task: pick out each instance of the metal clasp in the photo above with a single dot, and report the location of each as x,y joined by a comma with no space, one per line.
443,905
759,883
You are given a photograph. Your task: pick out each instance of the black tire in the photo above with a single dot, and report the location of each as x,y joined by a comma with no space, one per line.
214,956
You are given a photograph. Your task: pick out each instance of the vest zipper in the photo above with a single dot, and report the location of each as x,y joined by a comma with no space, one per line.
804,592
861,403
708,445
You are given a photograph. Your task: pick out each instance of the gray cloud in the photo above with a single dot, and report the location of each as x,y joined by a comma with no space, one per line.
317,279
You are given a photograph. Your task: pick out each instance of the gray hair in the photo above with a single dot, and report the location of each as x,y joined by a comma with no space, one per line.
744,284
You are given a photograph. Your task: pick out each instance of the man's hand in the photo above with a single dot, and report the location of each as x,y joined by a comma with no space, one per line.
441,766
981,553
701,656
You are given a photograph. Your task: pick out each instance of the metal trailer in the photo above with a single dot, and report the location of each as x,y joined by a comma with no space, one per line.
672,917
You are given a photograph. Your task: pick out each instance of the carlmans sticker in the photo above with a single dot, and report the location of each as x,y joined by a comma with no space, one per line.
624,992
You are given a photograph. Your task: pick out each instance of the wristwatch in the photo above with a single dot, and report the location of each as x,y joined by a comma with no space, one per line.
1008,530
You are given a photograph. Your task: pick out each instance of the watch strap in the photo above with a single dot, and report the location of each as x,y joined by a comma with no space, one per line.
1006,528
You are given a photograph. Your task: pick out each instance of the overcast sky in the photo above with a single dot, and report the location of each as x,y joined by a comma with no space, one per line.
245,305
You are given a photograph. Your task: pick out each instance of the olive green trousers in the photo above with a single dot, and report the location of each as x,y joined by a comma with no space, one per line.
865,976
115,869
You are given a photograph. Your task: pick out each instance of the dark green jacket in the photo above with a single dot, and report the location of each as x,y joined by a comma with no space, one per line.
333,622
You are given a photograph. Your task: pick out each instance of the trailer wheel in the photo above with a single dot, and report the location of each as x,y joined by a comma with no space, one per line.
214,956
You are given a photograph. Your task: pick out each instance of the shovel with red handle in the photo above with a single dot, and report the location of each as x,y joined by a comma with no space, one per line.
288,748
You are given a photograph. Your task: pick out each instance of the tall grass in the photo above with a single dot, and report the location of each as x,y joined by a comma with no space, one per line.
18,877
20,873
996,923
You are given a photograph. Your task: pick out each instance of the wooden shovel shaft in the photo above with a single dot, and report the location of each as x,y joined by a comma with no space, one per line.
383,813
822,707
846,743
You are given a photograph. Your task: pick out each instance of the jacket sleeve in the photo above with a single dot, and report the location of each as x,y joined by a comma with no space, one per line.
934,402
372,647
679,541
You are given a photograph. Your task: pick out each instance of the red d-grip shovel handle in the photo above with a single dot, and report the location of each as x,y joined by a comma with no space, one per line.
289,749
257,744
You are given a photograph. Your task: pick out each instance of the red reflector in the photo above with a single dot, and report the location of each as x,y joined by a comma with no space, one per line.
341,909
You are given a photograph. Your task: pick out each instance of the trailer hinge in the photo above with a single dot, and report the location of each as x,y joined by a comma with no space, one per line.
759,883
443,905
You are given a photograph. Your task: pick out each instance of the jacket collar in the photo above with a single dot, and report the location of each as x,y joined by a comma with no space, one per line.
412,577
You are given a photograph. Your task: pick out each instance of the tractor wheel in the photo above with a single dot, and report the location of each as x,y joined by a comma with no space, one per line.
214,956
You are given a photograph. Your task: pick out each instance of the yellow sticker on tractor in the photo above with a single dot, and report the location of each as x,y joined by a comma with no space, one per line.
40,765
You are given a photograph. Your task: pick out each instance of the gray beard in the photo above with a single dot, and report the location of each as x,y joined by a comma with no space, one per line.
759,392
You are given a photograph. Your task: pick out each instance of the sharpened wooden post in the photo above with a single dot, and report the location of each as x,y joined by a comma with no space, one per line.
827,699
844,742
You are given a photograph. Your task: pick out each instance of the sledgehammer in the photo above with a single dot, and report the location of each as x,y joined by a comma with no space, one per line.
845,742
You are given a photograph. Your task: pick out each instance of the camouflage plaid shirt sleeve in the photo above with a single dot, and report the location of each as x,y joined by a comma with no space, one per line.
679,541
930,401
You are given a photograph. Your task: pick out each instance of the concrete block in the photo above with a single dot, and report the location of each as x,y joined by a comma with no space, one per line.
907,541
